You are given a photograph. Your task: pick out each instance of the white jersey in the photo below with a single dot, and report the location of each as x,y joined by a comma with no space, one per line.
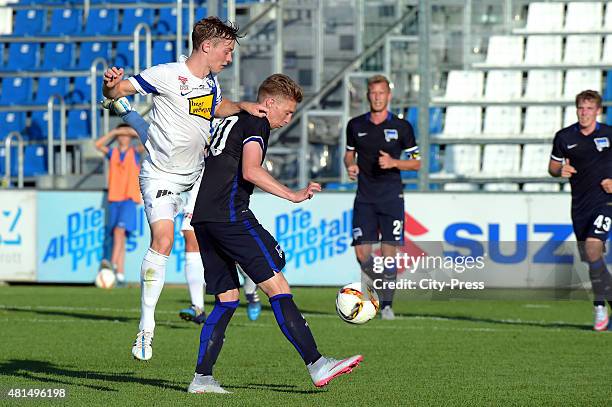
181,117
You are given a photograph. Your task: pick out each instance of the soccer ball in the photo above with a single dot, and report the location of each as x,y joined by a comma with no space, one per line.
356,305
106,279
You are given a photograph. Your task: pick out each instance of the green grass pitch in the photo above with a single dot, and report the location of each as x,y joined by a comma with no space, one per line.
436,353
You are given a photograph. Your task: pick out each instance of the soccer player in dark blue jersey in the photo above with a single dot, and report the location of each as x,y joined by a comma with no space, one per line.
582,152
374,145
228,233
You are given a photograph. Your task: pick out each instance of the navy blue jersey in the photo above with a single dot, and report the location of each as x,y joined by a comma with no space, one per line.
591,156
392,136
224,195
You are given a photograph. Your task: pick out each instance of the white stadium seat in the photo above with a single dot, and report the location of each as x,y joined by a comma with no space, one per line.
583,16
545,17
462,121
577,80
567,187
543,50
464,85
500,160
504,85
582,49
502,121
542,121
535,160
501,187
460,187
541,187
462,159
544,85
505,50
606,57
569,117
608,17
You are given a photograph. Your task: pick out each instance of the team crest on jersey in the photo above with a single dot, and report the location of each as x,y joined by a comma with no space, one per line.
390,134
601,143
183,81
202,106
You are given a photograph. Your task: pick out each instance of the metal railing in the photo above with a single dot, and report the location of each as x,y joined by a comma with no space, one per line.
51,136
140,27
93,74
7,158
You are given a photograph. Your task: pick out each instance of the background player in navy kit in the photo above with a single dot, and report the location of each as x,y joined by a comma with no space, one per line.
377,139
582,152
228,233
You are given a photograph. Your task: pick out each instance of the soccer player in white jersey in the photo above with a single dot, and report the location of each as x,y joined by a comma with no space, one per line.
186,97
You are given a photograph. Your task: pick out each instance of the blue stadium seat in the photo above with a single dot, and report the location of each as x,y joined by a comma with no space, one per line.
22,56
35,161
11,121
29,22
163,52
435,119
38,125
49,86
58,56
82,90
16,91
66,22
607,93
91,51
167,20
134,16
124,56
101,21
78,124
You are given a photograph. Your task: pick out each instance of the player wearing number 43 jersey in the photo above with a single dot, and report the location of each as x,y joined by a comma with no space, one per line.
228,233
186,98
582,152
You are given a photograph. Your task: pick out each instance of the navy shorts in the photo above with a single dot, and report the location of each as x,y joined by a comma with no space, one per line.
596,224
380,221
122,214
246,242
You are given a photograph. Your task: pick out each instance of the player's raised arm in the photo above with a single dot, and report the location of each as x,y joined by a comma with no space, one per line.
253,172
115,86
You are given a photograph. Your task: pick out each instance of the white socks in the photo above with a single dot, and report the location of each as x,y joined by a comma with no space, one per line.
194,273
152,275
249,286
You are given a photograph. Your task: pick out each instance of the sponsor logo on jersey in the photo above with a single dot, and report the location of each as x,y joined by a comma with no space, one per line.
183,85
601,143
570,146
361,134
202,106
391,134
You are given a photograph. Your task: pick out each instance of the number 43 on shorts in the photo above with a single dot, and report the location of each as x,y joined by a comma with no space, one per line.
602,223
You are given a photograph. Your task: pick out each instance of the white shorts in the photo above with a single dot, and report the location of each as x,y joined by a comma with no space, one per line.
162,192
191,197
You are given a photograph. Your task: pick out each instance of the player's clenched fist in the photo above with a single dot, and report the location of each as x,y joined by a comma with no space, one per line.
306,193
385,161
353,171
606,184
567,170
112,76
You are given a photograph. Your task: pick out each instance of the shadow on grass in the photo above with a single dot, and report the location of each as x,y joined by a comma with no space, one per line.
278,388
72,314
510,322
39,371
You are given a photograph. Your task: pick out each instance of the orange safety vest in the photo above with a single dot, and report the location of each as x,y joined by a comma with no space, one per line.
123,177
